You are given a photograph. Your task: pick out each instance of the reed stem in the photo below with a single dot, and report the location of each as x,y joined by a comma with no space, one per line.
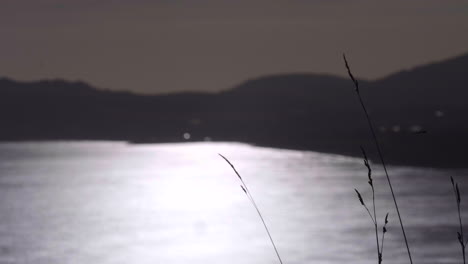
461,235
379,151
249,195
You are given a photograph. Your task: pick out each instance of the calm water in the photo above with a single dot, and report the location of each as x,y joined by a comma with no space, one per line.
88,202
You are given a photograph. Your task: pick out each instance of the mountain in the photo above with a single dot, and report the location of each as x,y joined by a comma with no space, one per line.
420,115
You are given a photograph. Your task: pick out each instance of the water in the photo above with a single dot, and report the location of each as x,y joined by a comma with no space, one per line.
112,202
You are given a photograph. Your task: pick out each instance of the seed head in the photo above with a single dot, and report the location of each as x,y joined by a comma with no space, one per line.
360,197
243,188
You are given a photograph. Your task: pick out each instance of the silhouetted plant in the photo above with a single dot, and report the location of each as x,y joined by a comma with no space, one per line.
379,151
460,234
373,216
247,192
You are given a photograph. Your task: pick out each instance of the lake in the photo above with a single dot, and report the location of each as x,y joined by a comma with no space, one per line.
113,202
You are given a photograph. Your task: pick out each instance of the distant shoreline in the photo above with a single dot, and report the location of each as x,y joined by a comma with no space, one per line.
441,164
290,111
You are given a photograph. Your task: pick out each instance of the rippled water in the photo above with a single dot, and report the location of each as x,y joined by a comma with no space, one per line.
107,202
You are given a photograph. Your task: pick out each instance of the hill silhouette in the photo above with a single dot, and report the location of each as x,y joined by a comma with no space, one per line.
420,114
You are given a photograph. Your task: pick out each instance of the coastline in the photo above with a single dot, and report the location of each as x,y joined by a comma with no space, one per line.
393,156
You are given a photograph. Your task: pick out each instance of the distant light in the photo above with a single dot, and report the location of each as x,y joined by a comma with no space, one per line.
396,128
195,121
207,139
439,113
415,128
186,136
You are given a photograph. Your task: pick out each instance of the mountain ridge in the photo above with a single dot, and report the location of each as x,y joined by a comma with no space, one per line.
299,111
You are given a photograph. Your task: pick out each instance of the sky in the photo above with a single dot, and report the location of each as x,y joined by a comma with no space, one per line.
164,46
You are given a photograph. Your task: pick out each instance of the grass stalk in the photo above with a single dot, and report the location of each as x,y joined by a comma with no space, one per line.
379,151
371,183
379,246
461,235
250,197
384,230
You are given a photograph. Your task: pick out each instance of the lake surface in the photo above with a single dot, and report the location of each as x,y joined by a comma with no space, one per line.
112,202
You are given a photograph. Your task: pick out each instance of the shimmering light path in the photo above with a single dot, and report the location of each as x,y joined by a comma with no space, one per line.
107,202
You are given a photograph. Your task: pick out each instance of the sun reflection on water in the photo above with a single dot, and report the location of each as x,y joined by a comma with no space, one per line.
107,202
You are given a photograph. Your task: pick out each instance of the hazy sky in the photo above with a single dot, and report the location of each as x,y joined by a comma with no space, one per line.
173,45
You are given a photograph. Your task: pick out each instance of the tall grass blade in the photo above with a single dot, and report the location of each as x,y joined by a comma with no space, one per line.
460,234
249,195
384,230
370,181
379,151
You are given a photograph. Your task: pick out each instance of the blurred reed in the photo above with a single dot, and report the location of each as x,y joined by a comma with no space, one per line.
379,151
249,195
373,217
460,234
